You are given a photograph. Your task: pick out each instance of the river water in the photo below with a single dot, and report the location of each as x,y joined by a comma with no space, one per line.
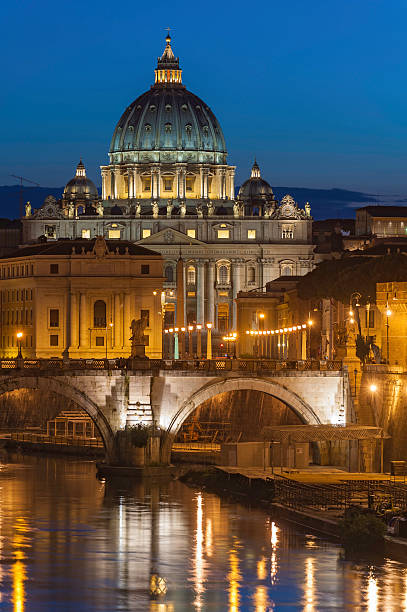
71,542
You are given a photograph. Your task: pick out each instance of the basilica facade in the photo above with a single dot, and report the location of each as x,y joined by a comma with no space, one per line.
168,187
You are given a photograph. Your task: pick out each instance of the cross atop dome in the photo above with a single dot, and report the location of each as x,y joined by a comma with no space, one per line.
168,70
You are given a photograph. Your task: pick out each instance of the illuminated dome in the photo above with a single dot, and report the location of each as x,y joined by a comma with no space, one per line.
80,187
168,123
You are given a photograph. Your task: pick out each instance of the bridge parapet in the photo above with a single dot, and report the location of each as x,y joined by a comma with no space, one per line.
204,365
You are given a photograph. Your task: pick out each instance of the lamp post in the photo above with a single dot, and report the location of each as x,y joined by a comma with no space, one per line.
190,349
107,329
199,341
234,340
166,334
209,341
19,339
310,322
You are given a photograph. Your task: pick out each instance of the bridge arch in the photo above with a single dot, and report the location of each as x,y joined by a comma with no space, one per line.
210,390
48,383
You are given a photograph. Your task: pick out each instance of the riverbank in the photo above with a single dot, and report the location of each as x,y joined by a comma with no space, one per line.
262,493
52,448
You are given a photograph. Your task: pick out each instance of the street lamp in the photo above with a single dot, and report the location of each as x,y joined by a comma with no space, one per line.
190,351
209,341
107,329
199,342
309,323
19,339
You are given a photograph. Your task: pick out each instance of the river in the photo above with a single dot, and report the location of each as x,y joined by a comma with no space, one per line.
69,541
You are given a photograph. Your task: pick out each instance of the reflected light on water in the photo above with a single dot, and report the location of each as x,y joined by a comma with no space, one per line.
405,592
18,568
273,560
372,594
261,569
199,560
208,537
261,600
309,584
234,578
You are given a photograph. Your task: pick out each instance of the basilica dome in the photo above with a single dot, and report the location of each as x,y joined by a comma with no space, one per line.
168,123
80,187
255,188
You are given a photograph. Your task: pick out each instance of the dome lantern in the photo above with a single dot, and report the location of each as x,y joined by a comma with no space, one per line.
168,70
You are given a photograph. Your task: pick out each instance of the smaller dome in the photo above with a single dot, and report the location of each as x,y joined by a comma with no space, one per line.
255,188
80,187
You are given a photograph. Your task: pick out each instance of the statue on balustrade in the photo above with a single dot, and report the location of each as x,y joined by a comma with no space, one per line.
138,339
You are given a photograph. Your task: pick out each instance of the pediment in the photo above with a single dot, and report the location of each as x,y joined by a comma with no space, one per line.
169,236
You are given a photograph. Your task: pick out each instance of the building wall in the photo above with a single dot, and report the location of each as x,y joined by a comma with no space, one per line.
28,299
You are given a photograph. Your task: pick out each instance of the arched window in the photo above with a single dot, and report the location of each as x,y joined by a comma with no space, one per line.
251,274
223,275
191,275
99,314
169,274
286,270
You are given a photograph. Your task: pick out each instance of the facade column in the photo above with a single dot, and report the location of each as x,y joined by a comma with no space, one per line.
83,342
74,321
232,183
200,293
211,292
130,182
222,183
116,321
112,184
236,266
105,185
137,186
117,183
127,320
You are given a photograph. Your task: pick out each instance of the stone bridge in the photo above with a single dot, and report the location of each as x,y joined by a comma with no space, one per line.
165,393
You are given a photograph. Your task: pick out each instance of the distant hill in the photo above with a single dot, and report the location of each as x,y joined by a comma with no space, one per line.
324,202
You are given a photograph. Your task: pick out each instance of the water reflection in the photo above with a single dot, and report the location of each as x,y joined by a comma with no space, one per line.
92,546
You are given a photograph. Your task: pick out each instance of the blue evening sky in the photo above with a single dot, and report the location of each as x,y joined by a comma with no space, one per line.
315,89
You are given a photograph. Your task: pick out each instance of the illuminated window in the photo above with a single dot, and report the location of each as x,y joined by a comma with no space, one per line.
167,184
86,233
146,233
54,317
53,340
100,341
191,275
114,234
147,184
287,232
223,275
191,233
223,234
251,234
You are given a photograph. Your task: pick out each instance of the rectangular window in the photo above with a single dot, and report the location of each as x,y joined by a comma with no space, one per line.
251,234
114,234
54,317
51,231
86,233
167,184
287,232
223,234
54,268
100,341
189,183
53,340
147,184
146,314
146,233
145,269
191,233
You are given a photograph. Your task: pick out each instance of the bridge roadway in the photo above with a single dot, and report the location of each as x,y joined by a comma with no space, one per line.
116,393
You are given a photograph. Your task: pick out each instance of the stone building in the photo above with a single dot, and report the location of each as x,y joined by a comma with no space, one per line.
168,187
77,299
381,221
